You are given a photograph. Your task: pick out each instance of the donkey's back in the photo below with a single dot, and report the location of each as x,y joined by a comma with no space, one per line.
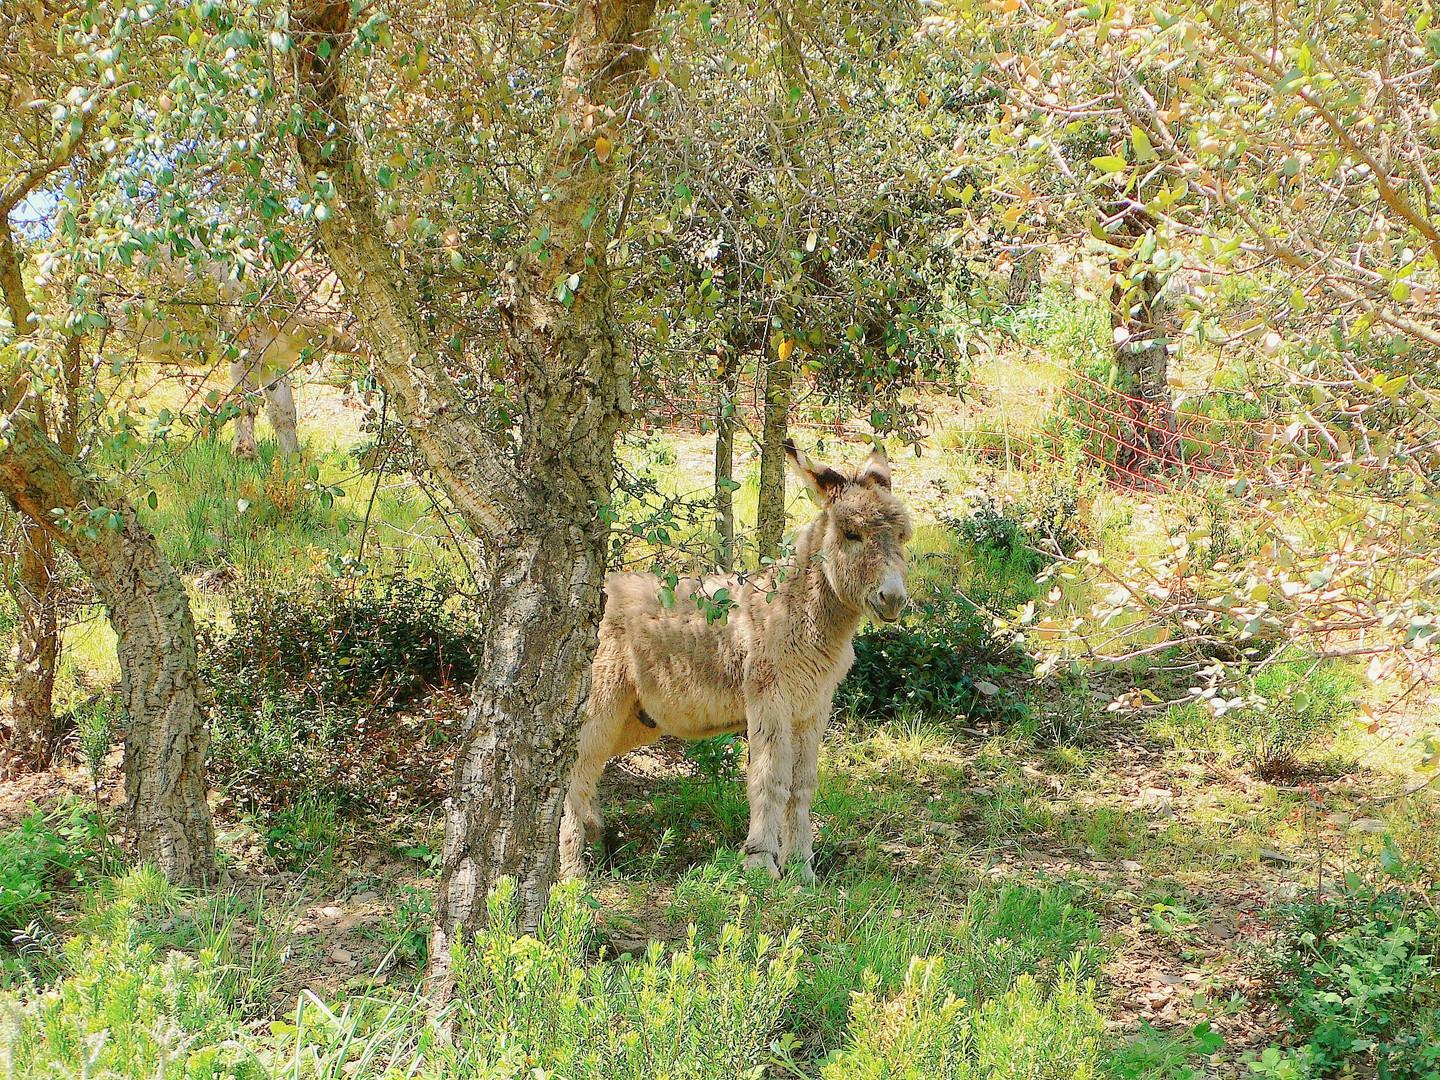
680,673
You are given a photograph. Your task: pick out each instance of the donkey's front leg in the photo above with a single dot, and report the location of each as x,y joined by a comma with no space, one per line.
772,768
798,836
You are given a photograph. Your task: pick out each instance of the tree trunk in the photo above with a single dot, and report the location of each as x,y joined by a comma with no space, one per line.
165,734
1024,278
37,627
770,525
533,506
37,647
725,425
1142,357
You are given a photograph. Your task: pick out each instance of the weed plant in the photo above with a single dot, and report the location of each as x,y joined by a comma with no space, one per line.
1359,976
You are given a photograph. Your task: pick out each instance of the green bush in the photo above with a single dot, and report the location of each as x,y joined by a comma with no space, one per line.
309,680
124,1009
1050,519
1305,708
341,642
941,663
1024,1034
871,932
1359,976
35,857
535,1001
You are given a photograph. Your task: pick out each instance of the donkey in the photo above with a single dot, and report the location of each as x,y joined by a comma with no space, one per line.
770,668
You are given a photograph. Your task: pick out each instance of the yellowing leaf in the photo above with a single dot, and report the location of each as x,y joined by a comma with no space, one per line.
603,147
1110,164
784,348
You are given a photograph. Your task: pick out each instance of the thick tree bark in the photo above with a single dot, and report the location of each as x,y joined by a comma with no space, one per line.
1024,280
37,627
165,734
533,506
770,523
37,647
725,425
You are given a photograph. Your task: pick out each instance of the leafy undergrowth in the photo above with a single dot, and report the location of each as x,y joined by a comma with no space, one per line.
971,889
541,1005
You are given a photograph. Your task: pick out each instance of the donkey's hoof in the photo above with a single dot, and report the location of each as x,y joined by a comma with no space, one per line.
807,873
763,860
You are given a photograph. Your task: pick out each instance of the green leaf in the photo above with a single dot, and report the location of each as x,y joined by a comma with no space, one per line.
1144,151
1290,83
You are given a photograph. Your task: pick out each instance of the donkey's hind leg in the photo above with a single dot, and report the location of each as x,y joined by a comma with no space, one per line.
612,727
280,409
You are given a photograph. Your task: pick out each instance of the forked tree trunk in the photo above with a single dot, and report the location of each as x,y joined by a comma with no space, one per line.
165,734
533,507
725,425
37,627
770,519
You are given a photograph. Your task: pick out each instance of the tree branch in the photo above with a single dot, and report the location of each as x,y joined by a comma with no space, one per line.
476,470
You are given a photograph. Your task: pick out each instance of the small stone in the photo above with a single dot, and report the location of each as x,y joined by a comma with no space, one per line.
1130,866
1270,855
1370,825
340,956
1155,798
331,912
367,898
631,946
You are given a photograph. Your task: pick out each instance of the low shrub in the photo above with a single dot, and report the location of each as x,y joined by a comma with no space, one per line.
1286,719
36,857
341,641
925,1033
1359,975
124,1009
309,682
942,662
1304,708
866,937
534,1001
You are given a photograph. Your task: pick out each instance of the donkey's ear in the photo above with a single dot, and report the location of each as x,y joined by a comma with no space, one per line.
876,468
822,481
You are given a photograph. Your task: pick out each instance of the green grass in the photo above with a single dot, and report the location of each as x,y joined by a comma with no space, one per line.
212,508
1299,707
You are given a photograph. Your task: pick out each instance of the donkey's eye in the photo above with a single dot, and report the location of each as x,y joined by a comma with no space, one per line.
852,536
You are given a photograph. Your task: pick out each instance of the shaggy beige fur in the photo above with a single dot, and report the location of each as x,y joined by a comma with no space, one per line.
771,668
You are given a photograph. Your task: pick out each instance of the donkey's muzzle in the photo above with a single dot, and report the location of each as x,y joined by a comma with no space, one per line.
889,600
